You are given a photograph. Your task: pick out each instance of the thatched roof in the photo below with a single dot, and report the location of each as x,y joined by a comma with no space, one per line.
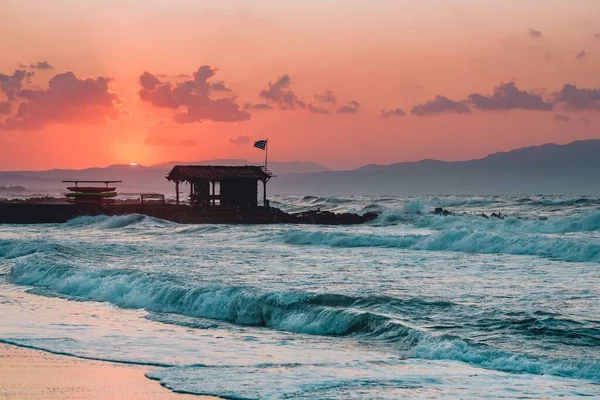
216,172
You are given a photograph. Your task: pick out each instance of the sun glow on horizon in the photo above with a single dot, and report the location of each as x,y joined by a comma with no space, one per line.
133,164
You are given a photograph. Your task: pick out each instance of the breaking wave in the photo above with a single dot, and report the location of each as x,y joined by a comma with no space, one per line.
461,240
299,312
116,221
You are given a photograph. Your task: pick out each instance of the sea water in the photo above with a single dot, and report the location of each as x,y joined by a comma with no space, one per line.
411,305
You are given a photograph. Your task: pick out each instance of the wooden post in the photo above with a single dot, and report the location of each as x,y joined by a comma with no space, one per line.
177,192
213,193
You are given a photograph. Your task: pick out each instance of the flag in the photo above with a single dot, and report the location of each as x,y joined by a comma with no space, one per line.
260,144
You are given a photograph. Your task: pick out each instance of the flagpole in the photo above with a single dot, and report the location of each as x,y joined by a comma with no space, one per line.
266,153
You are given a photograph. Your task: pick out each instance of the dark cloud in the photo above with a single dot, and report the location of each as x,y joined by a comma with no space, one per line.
578,99
394,112
5,107
11,84
534,33
562,118
581,55
317,110
42,65
507,96
68,100
240,140
192,98
325,97
440,105
350,108
257,107
584,120
149,81
219,87
221,110
279,93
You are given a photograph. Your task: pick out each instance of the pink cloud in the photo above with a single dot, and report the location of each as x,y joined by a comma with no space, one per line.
68,100
192,98
350,108
278,92
440,105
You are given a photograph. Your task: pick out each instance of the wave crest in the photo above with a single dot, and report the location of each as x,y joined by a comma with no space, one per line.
299,312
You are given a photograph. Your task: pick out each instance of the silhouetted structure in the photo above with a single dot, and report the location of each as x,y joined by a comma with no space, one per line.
224,186
91,194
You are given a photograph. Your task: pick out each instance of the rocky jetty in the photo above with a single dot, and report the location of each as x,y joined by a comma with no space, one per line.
37,213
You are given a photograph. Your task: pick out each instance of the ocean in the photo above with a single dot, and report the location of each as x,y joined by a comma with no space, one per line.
412,305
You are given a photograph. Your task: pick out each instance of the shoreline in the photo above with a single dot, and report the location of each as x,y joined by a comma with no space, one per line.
35,374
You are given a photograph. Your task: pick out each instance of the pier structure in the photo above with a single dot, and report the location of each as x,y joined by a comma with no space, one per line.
218,194
222,186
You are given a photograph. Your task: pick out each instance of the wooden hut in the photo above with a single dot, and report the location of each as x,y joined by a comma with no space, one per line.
224,186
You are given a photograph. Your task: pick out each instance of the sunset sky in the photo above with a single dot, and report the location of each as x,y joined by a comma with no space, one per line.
342,83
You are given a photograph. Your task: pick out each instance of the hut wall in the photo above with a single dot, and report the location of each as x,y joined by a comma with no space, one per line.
239,192
201,192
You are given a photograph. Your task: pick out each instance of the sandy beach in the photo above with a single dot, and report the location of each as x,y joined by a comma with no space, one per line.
33,374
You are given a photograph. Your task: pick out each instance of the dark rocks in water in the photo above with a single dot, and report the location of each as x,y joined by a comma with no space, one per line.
441,211
484,215
498,215
330,218
543,218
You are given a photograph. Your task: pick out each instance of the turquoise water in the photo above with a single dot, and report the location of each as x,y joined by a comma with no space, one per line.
412,305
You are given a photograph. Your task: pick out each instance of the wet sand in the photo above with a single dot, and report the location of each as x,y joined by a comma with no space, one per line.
33,374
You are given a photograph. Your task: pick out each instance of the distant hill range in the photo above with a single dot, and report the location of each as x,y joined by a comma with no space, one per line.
136,178
297,167
573,168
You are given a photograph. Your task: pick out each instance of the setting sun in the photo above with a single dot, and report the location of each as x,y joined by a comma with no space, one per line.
133,164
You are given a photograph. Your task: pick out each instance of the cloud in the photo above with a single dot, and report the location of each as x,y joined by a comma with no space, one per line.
350,108
191,98
240,140
581,55
11,84
562,118
507,96
5,107
584,120
68,100
149,81
257,107
534,33
42,65
578,99
440,105
279,93
317,110
219,86
325,97
394,112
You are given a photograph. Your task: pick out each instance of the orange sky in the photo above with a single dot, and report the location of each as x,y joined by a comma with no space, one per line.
384,54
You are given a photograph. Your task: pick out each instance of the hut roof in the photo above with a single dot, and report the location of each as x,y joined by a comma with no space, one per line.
216,172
